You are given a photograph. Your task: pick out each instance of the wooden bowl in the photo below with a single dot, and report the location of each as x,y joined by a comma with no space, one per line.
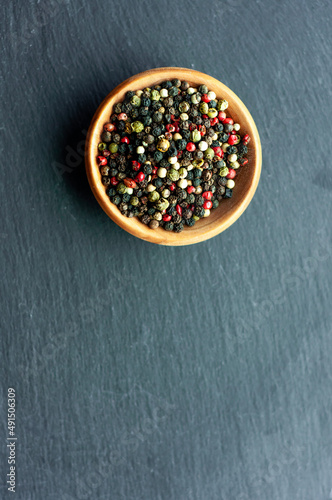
229,209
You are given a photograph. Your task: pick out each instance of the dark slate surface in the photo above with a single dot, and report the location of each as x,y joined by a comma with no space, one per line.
146,372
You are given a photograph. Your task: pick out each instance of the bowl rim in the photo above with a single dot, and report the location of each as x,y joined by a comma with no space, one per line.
133,225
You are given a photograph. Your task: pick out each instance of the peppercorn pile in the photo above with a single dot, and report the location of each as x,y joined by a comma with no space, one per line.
170,154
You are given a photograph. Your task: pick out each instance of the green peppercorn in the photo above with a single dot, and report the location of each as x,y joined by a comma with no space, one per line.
222,105
162,204
155,95
102,146
173,174
134,201
204,108
196,136
135,101
223,171
212,113
113,147
154,196
209,154
121,188
137,126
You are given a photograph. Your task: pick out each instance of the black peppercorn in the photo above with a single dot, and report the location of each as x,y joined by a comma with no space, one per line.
190,222
106,136
187,214
169,226
176,218
116,199
106,180
178,228
199,200
199,211
145,219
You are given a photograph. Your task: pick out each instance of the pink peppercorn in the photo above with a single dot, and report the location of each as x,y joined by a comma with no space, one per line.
231,173
167,217
102,160
122,117
217,151
190,189
135,165
229,120
114,181
125,140
179,209
190,147
207,195
207,205
222,116
205,98
140,177
232,139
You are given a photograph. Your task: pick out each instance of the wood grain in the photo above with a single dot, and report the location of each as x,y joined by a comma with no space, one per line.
229,210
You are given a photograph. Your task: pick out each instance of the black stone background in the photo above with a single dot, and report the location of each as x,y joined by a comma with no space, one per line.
152,373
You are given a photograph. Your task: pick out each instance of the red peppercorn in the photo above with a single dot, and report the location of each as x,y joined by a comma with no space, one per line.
190,189
205,98
221,115
217,150
207,195
192,207
129,182
154,170
207,205
229,120
190,147
232,139
205,117
243,161
231,173
167,217
179,209
246,139
135,165
170,128
172,187
214,121
122,116
102,160
140,177
125,139
168,135
176,126
114,181
106,152
179,154
109,127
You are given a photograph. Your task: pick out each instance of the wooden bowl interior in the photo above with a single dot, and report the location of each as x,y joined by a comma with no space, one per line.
246,179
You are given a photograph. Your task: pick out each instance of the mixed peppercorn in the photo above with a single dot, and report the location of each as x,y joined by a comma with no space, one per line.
169,154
